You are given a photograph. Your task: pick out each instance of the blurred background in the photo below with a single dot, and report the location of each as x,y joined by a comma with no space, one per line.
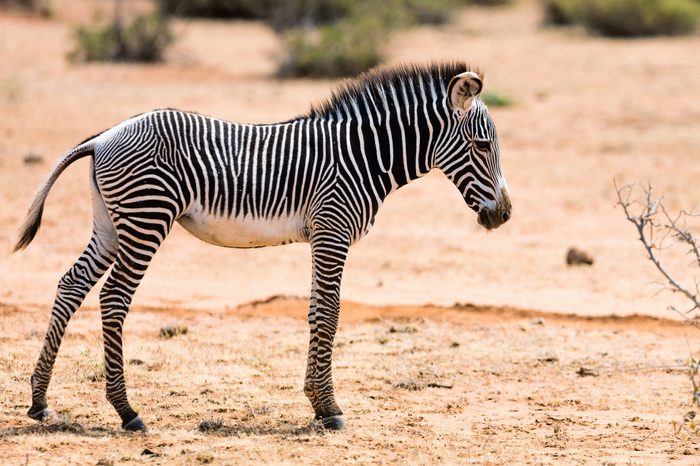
581,91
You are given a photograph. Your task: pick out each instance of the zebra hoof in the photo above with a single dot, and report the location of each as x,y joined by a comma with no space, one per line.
40,415
336,422
135,425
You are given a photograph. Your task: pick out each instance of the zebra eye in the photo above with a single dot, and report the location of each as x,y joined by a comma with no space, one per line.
482,146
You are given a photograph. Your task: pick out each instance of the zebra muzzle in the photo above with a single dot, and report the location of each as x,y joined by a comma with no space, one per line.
493,218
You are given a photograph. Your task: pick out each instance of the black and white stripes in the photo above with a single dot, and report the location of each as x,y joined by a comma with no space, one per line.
319,178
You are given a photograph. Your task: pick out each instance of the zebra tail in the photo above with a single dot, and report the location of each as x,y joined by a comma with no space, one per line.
32,221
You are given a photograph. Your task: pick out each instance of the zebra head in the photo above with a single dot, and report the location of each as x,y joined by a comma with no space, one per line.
469,155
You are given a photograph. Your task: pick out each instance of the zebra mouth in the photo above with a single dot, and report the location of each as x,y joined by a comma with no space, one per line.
492,218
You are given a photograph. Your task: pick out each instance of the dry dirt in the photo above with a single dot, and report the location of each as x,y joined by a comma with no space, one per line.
419,385
586,110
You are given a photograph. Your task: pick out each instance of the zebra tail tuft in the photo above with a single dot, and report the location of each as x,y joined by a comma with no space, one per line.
32,221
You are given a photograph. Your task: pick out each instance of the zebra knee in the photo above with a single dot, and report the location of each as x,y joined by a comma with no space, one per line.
112,297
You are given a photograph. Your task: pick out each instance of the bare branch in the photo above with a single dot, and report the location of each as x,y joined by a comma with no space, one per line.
682,232
667,234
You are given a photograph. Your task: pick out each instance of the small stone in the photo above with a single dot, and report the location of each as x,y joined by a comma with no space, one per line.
585,372
575,256
33,158
406,329
549,357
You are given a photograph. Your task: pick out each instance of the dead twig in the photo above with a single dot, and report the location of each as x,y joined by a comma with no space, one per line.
659,230
656,429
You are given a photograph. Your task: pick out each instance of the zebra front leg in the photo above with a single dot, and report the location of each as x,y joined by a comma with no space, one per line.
328,257
72,289
313,342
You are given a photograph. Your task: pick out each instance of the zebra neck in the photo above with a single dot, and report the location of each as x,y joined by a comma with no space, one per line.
391,146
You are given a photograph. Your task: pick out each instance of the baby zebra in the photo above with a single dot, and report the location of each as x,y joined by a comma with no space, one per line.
319,178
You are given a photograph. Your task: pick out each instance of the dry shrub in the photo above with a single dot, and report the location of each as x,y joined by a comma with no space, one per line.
344,38
339,49
95,364
144,39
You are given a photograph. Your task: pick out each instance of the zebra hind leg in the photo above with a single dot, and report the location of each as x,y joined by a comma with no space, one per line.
72,289
328,255
129,268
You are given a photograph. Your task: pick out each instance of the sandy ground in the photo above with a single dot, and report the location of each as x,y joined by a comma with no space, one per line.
586,110
419,385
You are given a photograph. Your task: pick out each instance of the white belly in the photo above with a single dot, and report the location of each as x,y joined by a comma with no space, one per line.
243,231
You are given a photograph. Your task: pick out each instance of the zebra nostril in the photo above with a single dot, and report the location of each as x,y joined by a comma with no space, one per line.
505,216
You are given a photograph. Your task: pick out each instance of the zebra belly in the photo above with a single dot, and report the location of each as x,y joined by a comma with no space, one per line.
243,231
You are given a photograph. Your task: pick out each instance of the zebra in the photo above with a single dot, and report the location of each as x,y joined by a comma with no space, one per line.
319,178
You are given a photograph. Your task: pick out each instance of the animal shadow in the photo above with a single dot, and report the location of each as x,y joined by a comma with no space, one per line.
258,427
61,426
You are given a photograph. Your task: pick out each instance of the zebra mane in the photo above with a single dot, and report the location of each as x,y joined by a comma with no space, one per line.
382,78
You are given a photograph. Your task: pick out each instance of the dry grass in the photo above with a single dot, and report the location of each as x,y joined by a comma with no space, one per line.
229,391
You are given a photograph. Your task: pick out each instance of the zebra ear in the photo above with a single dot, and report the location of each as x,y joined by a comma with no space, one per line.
462,90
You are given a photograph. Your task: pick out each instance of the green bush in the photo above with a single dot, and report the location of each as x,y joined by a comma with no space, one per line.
562,12
143,40
347,33
406,13
287,14
247,9
36,6
281,14
343,36
339,49
630,18
494,99
626,18
325,37
430,11
490,2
